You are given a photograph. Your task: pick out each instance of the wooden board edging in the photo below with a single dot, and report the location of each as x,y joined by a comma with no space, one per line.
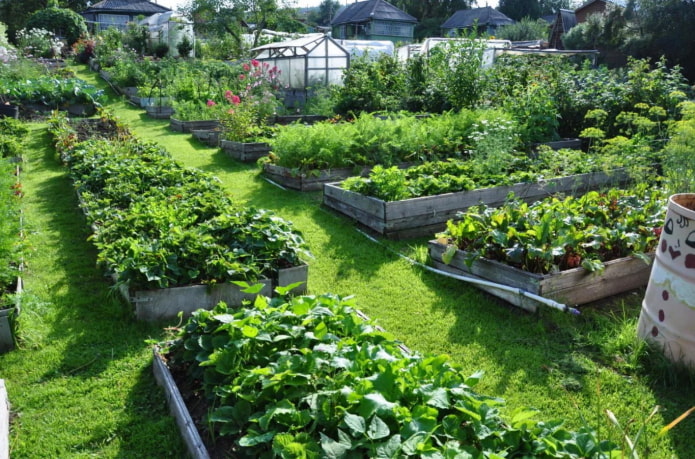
178,408
573,286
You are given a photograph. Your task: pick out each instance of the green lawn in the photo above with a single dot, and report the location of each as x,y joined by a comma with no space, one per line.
81,383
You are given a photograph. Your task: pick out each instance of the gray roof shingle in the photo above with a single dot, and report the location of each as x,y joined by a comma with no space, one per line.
126,6
369,10
483,16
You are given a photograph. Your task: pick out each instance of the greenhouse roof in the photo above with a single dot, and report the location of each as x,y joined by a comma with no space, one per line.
296,47
370,10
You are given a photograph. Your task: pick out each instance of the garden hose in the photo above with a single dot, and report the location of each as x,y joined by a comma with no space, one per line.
539,299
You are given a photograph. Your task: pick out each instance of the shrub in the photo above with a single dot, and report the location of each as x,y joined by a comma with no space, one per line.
184,47
526,29
161,50
62,22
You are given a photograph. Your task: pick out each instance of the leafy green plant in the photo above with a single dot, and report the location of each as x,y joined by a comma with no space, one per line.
497,169
555,234
158,225
60,21
679,166
10,230
308,377
370,140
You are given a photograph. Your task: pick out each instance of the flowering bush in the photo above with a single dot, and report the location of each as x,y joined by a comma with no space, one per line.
39,43
248,112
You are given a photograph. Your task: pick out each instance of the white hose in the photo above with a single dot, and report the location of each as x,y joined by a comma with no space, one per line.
545,301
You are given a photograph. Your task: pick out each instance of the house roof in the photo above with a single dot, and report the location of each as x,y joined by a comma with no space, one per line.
620,3
481,16
126,7
369,10
567,19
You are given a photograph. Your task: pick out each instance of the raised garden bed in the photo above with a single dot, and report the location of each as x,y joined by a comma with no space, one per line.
289,119
308,181
189,126
166,303
572,287
209,137
247,152
425,215
159,112
7,321
4,422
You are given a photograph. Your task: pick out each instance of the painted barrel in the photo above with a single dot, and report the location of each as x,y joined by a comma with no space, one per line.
668,309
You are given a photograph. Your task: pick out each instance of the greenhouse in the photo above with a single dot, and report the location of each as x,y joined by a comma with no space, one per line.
169,28
311,60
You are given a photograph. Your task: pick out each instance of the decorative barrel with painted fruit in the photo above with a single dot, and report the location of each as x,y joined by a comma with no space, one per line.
668,309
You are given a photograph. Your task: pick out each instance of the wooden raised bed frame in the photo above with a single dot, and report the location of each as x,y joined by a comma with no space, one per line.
426,215
167,303
188,126
572,287
246,152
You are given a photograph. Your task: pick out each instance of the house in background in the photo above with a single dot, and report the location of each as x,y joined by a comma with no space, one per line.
564,21
373,20
486,19
118,13
597,7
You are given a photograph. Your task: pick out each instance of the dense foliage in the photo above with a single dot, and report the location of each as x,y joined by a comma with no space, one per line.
370,140
62,21
157,224
51,91
678,157
557,234
10,226
432,178
308,377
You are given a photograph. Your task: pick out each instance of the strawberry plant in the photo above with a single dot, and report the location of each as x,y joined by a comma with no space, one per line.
10,243
307,377
557,234
157,224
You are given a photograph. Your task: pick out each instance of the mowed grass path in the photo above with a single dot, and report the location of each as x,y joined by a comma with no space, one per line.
82,383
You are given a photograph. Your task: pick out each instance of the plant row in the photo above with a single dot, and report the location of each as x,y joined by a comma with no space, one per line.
53,92
550,96
157,224
307,377
557,234
11,133
439,177
396,139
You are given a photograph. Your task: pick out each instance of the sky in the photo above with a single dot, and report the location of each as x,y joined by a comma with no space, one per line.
300,3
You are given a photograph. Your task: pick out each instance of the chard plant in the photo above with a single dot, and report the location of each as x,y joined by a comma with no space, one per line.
308,377
557,234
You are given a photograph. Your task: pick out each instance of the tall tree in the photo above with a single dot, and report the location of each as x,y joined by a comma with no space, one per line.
519,9
325,13
430,14
663,28
16,13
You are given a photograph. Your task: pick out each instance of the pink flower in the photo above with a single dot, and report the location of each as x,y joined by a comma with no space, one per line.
255,63
242,76
230,111
228,94
246,67
236,100
210,103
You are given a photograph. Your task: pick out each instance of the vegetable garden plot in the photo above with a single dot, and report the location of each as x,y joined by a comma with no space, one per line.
159,226
425,215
